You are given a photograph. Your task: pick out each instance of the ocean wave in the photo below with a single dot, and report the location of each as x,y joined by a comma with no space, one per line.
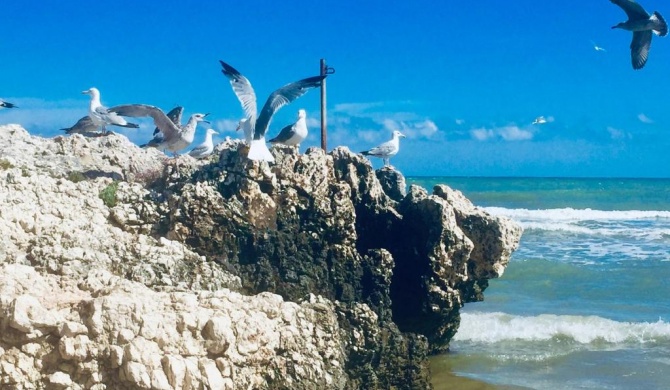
575,215
491,328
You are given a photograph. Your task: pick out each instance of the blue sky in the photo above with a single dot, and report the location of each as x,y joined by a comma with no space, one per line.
462,79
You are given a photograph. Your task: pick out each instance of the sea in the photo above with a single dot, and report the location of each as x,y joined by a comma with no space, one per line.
585,300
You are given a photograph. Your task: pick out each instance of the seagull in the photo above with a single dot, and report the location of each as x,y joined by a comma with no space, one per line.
386,150
206,148
258,124
85,127
171,136
597,48
642,25
293,134
100,115
4,104
539,120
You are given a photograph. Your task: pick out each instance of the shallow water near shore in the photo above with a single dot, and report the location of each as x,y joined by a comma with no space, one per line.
584,301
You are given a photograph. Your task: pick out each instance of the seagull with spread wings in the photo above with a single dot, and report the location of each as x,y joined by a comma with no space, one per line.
257,124
171,135
642,25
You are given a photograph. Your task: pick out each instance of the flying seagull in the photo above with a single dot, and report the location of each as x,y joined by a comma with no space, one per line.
597,48
293,134
386,150
100,115
642,25
257,124
539,120
204,149
172,136
4,104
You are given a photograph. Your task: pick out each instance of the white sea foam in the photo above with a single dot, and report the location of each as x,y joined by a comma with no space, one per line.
646,225
574,215
490,328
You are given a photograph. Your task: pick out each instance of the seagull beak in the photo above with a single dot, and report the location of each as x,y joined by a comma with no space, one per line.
85,92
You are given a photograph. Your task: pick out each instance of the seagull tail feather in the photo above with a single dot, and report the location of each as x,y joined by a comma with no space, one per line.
365,153
662,28
259,151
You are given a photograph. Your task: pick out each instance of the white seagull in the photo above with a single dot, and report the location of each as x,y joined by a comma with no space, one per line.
386,150
100,115
4,104
597,48
258,123
171,136
641,24
293,134
204,149
539,120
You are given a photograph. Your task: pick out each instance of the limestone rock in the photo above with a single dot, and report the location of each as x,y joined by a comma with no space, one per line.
120,268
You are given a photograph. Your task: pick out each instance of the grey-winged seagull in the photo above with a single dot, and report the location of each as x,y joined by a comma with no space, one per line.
386,150
4,104
172,136
642,25
85,127
258,123
293,134
206,148
100,115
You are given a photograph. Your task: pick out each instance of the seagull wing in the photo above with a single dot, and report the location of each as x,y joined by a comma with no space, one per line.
244,91
83,126
175,116
639,48
285,134
632,9
199,150
282,97
166,126
383,150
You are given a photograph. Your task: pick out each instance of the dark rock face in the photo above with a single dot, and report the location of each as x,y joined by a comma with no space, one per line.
330,225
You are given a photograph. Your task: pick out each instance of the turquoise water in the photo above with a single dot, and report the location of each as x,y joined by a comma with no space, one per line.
585,301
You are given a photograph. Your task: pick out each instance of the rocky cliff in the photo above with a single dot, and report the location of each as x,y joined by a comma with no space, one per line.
124,269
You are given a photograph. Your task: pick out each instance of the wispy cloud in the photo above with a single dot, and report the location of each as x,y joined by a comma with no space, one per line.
506,133
425,128
460,121
618,134
644,119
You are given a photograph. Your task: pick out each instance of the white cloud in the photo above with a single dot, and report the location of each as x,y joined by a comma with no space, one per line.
507,133
618,134
482,134
417,129
644,119
459,121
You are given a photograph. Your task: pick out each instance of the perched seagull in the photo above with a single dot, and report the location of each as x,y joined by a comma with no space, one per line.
204,149
4,104
172,136
85,127
539,120
642,25
293,134
386,150
245,126
258,124
101,116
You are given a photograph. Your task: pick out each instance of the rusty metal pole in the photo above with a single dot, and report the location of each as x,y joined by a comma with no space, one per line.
323,71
